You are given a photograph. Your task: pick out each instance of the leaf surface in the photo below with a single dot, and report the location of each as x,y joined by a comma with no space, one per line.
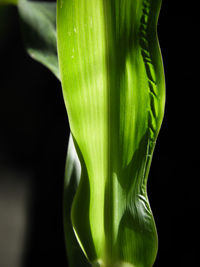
72,179
39,32
38,21
113,85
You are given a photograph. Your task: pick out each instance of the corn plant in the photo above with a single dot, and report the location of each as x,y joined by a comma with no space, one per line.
111,72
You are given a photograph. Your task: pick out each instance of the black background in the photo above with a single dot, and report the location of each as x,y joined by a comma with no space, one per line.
34,134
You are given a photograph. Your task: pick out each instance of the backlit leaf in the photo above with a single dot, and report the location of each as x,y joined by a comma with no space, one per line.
113,85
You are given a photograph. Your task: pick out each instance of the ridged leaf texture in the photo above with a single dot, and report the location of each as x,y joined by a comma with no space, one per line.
113,85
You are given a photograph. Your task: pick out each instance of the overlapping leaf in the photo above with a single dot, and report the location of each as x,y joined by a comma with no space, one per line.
39,32
72,179
113,85
38,24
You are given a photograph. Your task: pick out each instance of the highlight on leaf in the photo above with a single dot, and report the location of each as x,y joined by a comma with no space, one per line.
113,85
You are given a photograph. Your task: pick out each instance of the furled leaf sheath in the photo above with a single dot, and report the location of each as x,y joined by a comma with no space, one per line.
113,85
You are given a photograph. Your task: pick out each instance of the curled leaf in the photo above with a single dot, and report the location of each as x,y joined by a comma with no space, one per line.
72,179
113,85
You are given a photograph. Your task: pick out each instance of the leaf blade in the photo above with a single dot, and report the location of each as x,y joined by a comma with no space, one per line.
113,84
72,179
38,23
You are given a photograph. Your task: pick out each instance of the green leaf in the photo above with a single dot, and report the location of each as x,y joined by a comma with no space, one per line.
39,33
113,85
72,179
38,21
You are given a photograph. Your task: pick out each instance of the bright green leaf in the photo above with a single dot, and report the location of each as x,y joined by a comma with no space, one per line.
113,85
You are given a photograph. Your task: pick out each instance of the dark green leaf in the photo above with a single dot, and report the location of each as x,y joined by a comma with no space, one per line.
72,178
39,32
